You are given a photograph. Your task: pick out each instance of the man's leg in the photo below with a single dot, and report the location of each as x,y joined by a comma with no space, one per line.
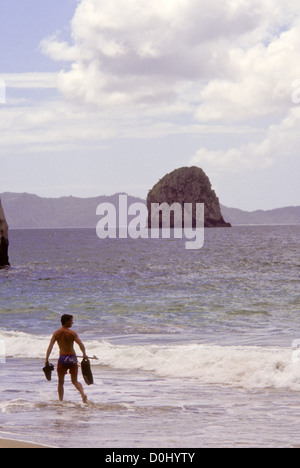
61,381
79,387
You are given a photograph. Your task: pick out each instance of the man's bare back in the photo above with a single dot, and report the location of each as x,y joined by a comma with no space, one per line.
65,339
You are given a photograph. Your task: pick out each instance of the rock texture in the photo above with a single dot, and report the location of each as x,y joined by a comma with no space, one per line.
188,185
3,239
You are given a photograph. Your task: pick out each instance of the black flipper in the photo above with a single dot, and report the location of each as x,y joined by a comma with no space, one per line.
86,371
48,369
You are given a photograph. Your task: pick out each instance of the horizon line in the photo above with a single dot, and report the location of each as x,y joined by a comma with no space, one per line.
138,198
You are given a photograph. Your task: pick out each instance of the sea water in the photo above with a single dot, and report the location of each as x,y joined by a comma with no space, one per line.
194,347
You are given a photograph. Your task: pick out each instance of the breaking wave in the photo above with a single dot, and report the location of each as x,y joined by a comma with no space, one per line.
251,367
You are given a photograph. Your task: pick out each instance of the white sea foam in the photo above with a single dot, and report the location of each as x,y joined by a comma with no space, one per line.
247,367
23,345
250,367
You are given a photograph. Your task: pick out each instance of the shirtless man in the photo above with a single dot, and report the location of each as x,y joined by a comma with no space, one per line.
65,339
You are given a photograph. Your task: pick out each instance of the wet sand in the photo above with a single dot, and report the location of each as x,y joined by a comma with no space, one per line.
7,443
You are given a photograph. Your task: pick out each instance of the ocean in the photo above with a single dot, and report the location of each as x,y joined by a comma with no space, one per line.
195,347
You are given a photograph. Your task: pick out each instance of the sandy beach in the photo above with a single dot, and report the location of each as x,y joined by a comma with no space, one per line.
6,443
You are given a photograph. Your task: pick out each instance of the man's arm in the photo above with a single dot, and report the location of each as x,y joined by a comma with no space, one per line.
49,351
81,346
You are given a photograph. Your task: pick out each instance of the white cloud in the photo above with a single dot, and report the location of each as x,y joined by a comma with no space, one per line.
282,140
251,156
57,50
144,69
264,76
30,80
139,52
140,69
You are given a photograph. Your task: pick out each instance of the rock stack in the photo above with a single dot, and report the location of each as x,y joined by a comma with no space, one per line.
188,185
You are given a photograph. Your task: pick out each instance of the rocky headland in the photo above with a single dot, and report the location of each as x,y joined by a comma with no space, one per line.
4,261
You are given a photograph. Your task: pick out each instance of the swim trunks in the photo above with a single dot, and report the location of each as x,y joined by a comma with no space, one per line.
67,363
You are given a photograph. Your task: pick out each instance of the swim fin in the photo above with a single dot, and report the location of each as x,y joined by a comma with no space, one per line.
86,371
48,369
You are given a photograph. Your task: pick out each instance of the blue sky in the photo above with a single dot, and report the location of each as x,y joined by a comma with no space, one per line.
105,97
23,25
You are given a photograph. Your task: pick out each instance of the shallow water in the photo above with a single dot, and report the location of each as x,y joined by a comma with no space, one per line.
194,347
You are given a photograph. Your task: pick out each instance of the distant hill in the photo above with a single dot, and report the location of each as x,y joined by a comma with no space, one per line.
27,211
289,215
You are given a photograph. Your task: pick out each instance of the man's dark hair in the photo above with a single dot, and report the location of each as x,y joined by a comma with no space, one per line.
65,318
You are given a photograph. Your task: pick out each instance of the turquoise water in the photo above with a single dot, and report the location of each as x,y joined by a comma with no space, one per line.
193,346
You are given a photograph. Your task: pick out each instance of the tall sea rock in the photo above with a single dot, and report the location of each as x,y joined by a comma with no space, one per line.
3,239
188,185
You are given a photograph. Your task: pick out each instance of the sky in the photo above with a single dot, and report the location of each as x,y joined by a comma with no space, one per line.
106,96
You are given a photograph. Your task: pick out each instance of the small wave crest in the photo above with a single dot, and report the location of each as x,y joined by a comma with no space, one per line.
251,367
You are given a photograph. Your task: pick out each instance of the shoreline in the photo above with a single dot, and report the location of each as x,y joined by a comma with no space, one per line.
12,443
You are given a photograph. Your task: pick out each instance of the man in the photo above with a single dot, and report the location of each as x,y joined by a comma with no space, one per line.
65,339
